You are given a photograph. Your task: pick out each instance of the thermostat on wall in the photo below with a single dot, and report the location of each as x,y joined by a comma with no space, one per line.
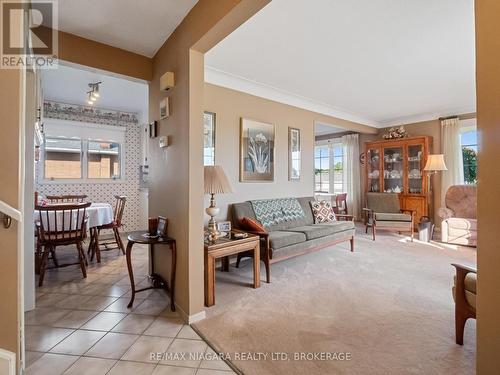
163,141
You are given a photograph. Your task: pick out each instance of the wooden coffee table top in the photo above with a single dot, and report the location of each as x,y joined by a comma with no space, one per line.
225,241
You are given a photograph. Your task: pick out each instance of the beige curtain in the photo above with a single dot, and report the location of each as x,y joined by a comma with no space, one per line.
351,174
452,150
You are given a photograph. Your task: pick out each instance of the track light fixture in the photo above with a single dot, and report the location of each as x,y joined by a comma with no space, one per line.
93,94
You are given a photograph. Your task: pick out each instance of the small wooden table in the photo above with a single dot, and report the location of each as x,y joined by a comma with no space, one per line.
222,248
156,280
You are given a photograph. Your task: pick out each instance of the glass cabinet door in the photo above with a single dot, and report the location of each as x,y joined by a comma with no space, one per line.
393,170
415,169
373,163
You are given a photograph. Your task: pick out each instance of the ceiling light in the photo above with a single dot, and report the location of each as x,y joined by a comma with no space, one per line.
93,93
90,99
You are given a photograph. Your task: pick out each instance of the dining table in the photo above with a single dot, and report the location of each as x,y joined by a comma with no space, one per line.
98,214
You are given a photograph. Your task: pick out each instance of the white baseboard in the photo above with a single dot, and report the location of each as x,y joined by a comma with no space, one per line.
190,319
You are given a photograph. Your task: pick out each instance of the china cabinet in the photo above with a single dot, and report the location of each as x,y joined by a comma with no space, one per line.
397,166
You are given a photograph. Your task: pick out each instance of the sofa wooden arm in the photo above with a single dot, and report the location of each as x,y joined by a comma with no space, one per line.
463,268
368,214
345,217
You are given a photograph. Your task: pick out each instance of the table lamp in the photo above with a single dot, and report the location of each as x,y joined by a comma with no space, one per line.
216,182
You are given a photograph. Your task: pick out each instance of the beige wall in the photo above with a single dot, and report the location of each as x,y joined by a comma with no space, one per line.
230,106
488,124
176,173
11,106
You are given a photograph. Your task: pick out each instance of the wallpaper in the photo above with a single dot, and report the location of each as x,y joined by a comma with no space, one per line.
134,213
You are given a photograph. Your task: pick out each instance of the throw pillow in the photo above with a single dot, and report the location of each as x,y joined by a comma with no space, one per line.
322,212
250,224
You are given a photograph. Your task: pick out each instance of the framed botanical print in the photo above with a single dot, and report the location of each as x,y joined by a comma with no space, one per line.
164,108
294,154
256,151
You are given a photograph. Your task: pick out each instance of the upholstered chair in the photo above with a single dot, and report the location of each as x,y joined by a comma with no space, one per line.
464,294
384,212
459,217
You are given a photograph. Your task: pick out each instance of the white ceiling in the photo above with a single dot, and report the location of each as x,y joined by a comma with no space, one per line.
137,26
378,62
69,85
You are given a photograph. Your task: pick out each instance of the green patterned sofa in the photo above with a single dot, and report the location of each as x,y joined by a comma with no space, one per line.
291,230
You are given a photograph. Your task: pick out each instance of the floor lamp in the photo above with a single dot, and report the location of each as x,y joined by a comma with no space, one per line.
435,163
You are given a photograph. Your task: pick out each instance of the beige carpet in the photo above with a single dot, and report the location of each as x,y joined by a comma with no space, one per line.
388,304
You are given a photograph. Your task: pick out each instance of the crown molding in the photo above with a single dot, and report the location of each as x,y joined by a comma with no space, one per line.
238,83
426,117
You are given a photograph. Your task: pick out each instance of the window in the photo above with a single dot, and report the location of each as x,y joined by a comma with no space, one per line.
468,140
322,169
63,158
328,165
80,151
103,159
208,138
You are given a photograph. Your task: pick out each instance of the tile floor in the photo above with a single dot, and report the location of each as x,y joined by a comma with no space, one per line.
83,326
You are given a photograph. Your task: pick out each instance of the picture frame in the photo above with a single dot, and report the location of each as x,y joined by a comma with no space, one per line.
256,151
164,108
224,226
162,226
153,129
294,154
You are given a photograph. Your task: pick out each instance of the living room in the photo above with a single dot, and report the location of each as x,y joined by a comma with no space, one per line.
353,198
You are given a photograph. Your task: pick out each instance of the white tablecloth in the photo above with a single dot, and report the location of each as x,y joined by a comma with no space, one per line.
98,214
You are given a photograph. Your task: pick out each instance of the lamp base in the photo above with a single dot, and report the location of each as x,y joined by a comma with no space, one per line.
213,233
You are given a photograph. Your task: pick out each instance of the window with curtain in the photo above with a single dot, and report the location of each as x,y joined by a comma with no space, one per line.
468,142
208,138
329,167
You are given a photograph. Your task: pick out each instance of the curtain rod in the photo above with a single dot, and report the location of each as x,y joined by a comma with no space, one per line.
448,118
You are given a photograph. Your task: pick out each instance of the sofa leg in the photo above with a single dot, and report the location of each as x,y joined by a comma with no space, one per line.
366,229
238,259
374,231
352,244
268,271
460,321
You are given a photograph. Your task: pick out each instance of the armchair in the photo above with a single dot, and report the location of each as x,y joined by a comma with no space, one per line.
383,211
464,294
459,220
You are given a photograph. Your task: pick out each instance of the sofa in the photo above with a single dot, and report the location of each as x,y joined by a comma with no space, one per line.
294,235
459,216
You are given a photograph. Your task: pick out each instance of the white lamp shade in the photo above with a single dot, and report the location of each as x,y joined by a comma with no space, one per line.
216,181
435,163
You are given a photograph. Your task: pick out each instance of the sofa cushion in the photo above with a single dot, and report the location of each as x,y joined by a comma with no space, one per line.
322,212
382,216
383,202
275,211
470,288
322,230
462,223
280,238
339,225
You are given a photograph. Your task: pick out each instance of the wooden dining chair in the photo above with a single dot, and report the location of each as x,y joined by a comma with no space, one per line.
60,225
69,198
341,204
115,225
